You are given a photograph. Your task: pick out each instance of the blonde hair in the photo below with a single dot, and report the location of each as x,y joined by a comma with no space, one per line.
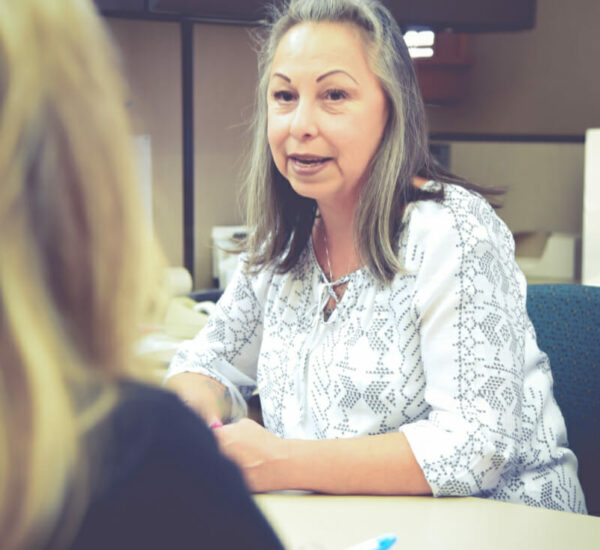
279,219
75,256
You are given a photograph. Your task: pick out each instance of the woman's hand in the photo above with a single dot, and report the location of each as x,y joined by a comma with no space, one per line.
258,453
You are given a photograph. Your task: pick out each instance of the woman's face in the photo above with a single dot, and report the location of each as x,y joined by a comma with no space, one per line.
326,111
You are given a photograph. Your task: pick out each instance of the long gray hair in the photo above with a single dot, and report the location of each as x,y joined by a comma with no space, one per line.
280,221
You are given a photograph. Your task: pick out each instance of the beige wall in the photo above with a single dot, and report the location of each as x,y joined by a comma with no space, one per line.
224,81
544,181
543,81
152,62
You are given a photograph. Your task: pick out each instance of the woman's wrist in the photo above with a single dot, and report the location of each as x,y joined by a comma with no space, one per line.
280,466
206,396
290,465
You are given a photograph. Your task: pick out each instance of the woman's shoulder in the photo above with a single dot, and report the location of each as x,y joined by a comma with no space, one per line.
457,210
456,224
448,198
138,455
139,399
155,465
146,422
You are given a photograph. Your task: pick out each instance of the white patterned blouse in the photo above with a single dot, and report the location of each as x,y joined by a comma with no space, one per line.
445,353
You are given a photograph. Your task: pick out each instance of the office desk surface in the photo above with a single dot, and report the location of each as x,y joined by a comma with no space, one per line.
425,523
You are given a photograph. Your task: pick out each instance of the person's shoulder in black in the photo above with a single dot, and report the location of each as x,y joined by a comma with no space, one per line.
161,482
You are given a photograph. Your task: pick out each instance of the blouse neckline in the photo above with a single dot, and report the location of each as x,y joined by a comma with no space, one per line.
341,280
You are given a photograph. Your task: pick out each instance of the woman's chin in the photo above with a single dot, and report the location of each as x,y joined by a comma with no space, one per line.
316,191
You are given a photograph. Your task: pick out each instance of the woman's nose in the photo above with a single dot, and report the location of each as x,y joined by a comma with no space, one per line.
303,125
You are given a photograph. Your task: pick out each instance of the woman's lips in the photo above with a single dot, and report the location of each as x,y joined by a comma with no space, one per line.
307,165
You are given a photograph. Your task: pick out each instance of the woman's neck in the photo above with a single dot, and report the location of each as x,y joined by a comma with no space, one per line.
333,235
333,239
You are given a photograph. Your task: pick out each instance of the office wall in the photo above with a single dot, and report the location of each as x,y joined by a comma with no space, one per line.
224,81
544,181
225,77
152,61
543,81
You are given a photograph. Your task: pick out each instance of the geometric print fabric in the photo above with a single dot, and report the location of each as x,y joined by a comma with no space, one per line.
444,353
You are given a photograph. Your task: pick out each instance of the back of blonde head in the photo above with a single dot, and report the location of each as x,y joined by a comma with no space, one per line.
73,248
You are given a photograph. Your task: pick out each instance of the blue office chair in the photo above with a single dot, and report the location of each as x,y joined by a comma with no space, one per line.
567,323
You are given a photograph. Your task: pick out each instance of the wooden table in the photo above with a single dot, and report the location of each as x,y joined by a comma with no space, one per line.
425,523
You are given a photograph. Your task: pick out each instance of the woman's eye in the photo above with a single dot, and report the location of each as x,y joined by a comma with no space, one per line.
283,96
336,95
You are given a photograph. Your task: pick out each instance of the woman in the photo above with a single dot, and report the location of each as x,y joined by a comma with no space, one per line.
87,459
379,311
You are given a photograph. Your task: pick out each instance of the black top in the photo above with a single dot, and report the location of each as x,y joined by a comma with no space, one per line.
161,483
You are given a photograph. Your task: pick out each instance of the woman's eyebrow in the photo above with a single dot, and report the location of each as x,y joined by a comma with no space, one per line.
286,78
329,73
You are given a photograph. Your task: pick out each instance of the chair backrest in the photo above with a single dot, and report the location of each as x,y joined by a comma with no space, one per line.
566,319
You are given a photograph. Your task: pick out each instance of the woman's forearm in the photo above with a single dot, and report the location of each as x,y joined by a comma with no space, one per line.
209,398
380,464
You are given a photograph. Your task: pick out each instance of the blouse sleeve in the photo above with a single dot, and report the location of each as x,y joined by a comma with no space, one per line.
469,304
227,348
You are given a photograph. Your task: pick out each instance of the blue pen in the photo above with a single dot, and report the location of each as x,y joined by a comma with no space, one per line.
382,542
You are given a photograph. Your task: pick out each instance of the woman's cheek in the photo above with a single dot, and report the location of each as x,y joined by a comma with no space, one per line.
276,137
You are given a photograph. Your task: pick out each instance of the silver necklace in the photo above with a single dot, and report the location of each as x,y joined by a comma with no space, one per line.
329,308
327,255
333,289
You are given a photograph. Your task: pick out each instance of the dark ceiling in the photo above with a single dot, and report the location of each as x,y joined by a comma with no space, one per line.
459,15
243,10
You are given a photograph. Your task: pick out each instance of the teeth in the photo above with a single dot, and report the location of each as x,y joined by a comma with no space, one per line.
309,162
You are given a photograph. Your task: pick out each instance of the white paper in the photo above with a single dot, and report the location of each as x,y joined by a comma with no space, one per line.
591,210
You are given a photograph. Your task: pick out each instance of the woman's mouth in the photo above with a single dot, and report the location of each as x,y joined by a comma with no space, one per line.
309,160
308,164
